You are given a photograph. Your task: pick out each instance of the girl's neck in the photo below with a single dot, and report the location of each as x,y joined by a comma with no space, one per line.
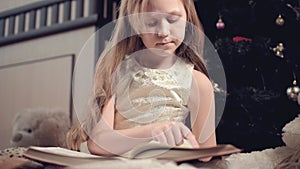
156,59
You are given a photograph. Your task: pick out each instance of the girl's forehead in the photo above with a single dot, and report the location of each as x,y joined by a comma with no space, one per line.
175,7
158,15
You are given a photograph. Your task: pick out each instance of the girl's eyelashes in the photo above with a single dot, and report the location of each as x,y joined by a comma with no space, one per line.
151,23
172,19
154,22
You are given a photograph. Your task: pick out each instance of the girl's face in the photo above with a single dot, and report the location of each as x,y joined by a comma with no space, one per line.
164,25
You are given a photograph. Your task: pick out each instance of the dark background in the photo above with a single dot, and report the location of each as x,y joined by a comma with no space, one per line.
257,105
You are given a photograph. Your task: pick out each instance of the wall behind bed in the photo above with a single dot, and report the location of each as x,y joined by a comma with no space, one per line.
37,57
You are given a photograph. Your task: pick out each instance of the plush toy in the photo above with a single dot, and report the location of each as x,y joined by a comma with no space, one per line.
40,127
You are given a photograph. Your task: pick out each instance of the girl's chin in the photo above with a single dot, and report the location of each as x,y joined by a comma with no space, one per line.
163,52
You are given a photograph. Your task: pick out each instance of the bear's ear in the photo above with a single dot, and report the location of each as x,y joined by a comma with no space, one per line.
17,117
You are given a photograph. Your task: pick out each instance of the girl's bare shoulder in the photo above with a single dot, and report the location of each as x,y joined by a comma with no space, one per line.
202,81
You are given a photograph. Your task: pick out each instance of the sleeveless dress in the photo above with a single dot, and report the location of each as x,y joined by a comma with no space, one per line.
144,95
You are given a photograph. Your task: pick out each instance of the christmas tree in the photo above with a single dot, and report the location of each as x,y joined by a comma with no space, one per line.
258,43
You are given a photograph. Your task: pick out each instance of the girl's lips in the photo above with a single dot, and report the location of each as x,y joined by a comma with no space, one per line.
164,44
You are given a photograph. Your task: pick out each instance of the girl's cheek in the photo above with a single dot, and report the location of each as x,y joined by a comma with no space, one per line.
178,33
144,28
178,30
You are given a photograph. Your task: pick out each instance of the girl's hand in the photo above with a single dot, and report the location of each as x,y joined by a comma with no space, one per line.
173,133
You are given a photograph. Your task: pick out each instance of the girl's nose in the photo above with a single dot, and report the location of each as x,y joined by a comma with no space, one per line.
164,29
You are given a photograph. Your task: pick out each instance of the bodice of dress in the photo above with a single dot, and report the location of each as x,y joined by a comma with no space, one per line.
145,95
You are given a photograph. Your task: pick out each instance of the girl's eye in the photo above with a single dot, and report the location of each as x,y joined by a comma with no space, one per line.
173,19
151,23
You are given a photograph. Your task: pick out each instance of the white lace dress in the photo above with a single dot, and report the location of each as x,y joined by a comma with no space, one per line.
145,95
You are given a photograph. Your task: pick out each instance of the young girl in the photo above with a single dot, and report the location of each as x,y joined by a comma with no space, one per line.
148,79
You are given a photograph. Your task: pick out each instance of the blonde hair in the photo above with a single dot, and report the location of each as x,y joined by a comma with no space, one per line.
121,45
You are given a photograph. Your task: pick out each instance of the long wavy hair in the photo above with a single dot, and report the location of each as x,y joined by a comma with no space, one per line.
121,45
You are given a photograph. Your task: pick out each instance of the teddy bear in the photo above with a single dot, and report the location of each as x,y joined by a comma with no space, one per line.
40,127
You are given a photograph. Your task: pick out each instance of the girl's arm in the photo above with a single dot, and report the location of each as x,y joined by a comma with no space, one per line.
202,108
104,140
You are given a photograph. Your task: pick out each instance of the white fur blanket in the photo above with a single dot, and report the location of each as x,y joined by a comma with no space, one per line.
266,159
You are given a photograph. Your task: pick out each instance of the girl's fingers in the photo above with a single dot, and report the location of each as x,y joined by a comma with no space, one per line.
169,136
177,135
159,136
174,134
162,139
192,140
189,136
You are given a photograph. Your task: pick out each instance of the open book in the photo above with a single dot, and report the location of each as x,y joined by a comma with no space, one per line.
180,154
65,157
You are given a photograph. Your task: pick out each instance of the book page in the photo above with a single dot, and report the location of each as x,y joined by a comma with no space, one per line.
154,145
63,152
179,153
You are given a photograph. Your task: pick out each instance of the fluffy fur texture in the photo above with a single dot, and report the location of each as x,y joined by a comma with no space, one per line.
40,127
281,157
291,133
